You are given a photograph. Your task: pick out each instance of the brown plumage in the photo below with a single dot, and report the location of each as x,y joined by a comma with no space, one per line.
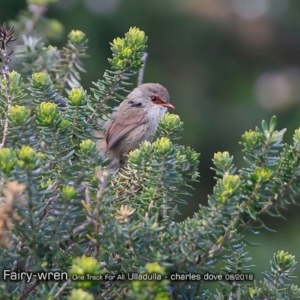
135,120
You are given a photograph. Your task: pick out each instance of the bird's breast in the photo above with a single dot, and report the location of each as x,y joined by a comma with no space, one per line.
155,113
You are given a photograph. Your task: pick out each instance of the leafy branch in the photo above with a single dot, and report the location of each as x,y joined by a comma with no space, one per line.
6,36
62,210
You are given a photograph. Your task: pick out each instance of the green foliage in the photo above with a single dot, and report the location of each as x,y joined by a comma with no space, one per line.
33,22
276,283
127,59
63,66
61,210
150,289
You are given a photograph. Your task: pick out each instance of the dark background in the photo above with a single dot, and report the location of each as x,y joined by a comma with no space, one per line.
228,64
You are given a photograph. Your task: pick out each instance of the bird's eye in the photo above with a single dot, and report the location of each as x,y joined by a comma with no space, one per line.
154,98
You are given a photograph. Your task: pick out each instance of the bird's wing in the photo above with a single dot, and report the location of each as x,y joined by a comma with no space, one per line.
122,123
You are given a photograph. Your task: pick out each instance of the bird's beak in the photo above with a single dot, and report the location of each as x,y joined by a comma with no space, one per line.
168,105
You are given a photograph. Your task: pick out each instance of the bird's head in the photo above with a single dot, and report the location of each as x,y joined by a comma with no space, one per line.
151,94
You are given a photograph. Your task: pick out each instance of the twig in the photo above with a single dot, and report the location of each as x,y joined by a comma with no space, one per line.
26,268
29,290
87,197
38,11
63,287
92,243
142,70
68,250
82,227
113,87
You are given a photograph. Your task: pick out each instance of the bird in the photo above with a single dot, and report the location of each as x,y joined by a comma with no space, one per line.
135,120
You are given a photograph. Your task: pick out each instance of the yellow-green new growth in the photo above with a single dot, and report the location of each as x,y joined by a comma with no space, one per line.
76,36
296,137
135,38
151,289
47,114
128,51
41,2
227,187
170,125
64,124
171,121
87,146
77,97
84,266
14,78
55,29
19,115
155,267
250,138
68,192
79,294
261,175
136,156
284,260
222,159
27,157
231,183
8,160
163,145
40,80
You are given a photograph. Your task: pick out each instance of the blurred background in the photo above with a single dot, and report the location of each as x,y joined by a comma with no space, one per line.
228,64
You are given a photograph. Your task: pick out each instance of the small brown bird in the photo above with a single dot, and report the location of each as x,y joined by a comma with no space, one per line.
135,120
